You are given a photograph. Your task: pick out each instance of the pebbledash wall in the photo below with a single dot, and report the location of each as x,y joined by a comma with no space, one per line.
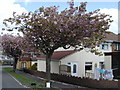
42,65
108,62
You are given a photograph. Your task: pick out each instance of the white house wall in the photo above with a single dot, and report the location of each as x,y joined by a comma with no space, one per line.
107,62
107,50
81,57
42,66
33,62
54,67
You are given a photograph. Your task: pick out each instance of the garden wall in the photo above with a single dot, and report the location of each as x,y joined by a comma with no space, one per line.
86,82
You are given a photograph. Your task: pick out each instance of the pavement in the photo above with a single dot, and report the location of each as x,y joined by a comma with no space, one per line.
60,85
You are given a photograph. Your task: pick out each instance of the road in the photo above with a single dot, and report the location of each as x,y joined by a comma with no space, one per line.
8,81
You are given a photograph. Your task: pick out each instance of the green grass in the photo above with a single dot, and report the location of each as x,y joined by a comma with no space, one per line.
7,68
25,81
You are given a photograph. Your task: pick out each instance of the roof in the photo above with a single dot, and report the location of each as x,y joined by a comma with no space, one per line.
56,56
59,55
112,36
24,59
27,56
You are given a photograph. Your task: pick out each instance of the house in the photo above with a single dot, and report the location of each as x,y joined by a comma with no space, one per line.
27,60
24,62
112,59
79,63
75,63
5,58
55,61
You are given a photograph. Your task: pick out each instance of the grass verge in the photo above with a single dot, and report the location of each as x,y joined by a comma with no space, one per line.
7,69
27,81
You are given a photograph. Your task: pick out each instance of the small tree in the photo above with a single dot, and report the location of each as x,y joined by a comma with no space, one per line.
14,46
10,46
48,29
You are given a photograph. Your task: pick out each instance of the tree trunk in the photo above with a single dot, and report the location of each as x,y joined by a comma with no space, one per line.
14,64
48,67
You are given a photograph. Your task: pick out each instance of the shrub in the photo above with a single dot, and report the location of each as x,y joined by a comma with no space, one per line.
33,67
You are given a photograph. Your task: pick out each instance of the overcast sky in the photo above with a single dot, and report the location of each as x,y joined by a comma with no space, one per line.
106,6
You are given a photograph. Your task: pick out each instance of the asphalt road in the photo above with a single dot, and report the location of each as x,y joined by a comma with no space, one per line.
8,81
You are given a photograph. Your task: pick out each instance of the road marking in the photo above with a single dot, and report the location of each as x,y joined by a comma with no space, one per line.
18,81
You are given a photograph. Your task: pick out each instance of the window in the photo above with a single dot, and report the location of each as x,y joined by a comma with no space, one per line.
34,55
65,69
74,68
104,46
36,64
69,64
88,65
101,64
3,57
68,69
23,65
42,54
117,46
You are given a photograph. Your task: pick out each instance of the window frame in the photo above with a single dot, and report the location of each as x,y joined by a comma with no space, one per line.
88,64
104,46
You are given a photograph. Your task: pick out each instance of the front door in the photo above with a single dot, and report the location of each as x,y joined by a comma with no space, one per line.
23,65
74,69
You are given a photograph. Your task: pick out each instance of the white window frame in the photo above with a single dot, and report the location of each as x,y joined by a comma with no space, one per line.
89,64
72,71
105,47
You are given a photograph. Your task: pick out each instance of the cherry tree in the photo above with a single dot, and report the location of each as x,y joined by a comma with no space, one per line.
49,29
15,46
11,46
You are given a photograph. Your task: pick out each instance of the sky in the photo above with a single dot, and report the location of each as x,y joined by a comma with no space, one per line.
7,7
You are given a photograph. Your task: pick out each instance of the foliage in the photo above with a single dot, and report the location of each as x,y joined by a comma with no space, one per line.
47,29
6,62
14,46
11,45
33,67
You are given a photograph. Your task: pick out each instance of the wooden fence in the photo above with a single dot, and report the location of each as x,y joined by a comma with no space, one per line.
86,82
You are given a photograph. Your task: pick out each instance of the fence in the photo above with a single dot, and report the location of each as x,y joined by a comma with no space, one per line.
89,75
86,82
